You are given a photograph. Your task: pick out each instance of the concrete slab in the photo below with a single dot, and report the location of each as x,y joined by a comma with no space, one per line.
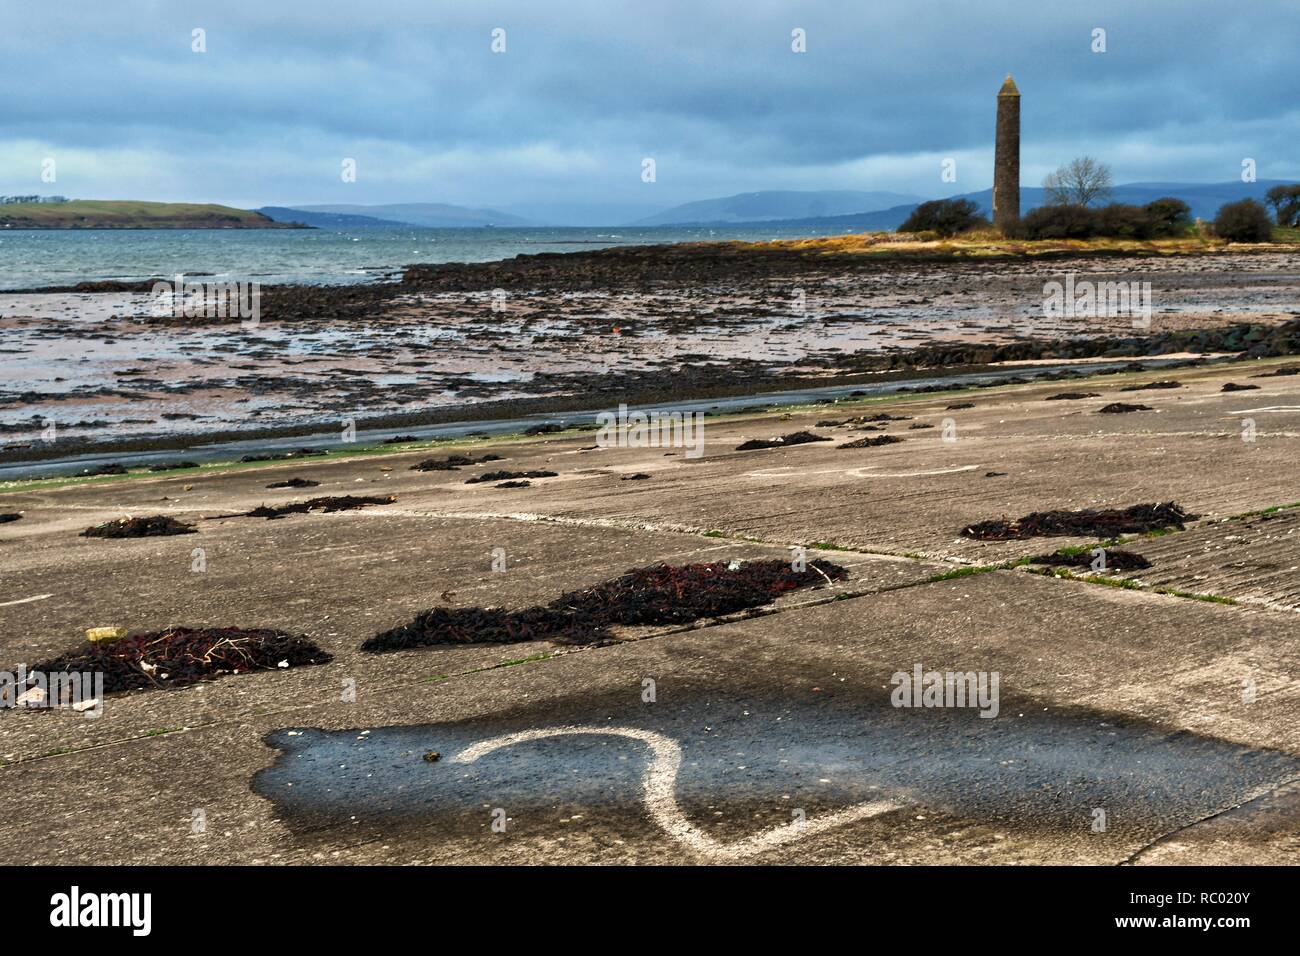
338,578
1165,713
1123,702
1255,560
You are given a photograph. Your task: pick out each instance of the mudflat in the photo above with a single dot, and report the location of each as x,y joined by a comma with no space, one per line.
566,332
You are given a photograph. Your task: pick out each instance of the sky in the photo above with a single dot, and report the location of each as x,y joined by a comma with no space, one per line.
117,96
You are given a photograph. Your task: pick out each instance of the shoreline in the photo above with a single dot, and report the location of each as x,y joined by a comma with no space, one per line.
563,333
447,431
618,263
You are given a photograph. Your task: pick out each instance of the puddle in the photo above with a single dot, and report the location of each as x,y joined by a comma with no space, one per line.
744,764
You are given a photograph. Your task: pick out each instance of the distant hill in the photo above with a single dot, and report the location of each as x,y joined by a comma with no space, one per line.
1204,198
595,214
131,214
774,205
327,220
432,214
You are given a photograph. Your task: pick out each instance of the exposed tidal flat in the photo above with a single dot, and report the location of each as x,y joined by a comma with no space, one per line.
465,341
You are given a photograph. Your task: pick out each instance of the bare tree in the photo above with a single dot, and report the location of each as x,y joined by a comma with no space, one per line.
1079,182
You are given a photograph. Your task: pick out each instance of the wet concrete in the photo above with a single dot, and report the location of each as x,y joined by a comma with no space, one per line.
764,758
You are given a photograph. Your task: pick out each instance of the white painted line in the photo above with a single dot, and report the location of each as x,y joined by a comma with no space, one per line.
28,600
867,472
660,784
1268,408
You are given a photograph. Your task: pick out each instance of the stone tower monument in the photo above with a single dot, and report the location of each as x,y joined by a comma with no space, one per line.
1006,157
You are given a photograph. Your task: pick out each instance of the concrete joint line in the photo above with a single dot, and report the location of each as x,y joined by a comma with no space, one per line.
1257,794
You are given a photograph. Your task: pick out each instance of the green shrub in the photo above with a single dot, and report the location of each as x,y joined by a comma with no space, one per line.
947,217
1059,221
1169,216
1243,221
1162,217
1122,221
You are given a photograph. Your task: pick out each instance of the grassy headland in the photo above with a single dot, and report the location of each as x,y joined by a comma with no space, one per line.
132,214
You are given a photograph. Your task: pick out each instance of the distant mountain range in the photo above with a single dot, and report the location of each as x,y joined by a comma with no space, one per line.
776,205
844,210
433,214
326,220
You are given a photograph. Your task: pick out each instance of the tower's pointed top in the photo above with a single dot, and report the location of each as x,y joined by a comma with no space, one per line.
1008,87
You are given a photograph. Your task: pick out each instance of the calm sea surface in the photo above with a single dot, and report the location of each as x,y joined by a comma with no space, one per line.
32,258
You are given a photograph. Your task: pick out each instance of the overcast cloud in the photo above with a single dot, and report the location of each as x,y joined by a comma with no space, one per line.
585,90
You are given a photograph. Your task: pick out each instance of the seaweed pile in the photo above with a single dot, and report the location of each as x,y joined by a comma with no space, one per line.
872,441
1120,408
781,441
658,594
294,483
176,656
508,475
1113,560
325,504
150,527
283,455
1151,386
1088,522
451,462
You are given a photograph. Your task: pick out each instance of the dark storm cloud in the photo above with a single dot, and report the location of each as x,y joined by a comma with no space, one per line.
710,88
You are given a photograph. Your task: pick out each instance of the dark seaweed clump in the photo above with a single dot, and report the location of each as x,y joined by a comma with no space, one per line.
1088,522
872,441
177,656
150,527
1119,408
659,594
1115,560
794,438
1150,386
325,504
451,462
508,476
283,455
